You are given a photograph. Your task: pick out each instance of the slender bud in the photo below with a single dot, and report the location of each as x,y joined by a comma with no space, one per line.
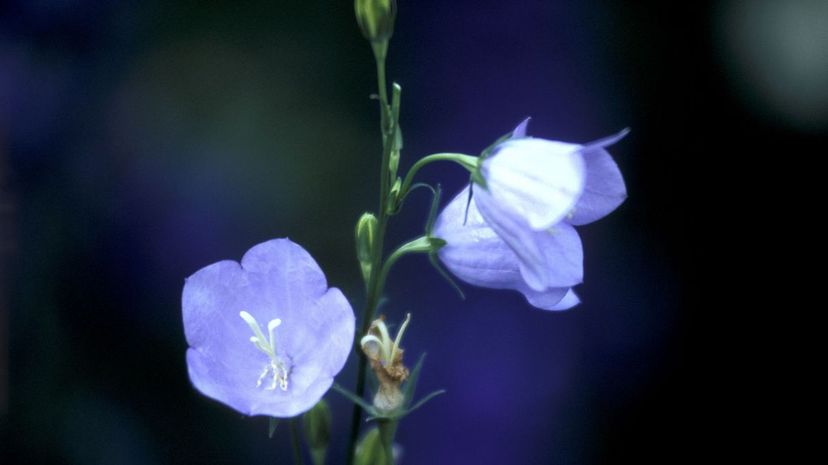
376,18
394,163
316,423
366,231
369,451
394,197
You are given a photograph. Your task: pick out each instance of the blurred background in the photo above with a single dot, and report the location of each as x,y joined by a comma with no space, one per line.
141,141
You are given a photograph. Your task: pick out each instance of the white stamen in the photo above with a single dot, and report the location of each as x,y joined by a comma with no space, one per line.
397,341
379,345
268,346
262,376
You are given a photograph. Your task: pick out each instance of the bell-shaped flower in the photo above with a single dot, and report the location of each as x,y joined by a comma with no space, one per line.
267,335
536,186
476,254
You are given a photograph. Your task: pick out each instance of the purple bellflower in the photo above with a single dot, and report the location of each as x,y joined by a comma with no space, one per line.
477,255
267,335
518,233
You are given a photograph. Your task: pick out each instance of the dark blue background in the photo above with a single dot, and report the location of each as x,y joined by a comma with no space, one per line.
140,141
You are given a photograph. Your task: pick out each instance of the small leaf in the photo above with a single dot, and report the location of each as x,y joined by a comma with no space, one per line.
488,150
401,199
425,399
411,382
435,207
353,398
432,257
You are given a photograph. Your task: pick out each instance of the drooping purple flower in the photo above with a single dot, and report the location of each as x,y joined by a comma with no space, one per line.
477,255
517,233
534,186
266,336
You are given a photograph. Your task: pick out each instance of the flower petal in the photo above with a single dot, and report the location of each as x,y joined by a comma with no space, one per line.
537,179
570,300
548,258
604,190
477,255
520,130
550,299
473,251
276,279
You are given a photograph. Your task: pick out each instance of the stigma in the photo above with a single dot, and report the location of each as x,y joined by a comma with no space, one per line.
275,369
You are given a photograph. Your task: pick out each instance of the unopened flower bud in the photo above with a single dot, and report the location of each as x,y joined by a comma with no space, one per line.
376,18
394,199
317,425
366,231
369,450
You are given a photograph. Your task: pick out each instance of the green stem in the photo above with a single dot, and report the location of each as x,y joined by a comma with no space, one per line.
387,429
374,285
421,244
467,161
294,440
380,51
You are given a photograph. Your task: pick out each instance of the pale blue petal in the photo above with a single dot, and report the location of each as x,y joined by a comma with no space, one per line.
536,179
604,190
570,300
550,299
477,255
520,131
548,258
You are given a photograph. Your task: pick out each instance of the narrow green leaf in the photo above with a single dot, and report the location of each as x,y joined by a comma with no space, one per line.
432,257
435,207
411,382
353,398
488,150
425,399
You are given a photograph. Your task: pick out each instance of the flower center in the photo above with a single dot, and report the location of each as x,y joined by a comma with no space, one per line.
275,367
377,344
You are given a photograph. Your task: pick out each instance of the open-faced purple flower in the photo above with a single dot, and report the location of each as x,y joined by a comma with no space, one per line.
532,185
266,336
477,255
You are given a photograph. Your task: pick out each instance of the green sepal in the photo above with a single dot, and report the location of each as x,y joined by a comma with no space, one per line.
476,175
432,258
408,406
435,208
354,398
271,426
488,150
